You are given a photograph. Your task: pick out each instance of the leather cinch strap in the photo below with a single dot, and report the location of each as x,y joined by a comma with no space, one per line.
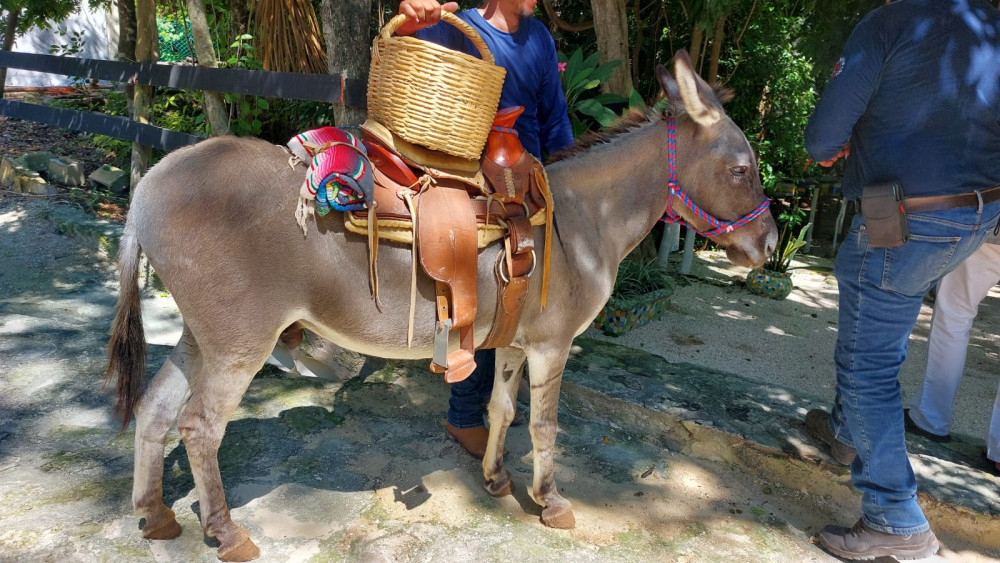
942,202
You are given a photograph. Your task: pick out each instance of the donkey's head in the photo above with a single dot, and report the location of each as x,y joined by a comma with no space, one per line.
716,168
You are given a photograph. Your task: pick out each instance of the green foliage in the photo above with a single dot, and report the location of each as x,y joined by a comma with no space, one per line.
74,43
791,233
36,13
245,112
581,77
176,40
774,87
288,118
637,277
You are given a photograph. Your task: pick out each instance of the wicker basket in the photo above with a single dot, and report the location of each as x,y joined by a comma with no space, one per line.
433,96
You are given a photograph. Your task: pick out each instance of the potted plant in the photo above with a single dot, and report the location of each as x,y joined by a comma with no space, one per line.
641,293
773,278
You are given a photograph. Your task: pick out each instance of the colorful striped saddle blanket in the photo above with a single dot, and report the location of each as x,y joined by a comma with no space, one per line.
340,175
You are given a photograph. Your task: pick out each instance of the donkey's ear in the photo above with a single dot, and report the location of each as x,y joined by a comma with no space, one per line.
668,84
699,99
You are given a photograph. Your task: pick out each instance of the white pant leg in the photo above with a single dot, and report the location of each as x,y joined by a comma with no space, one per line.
955,307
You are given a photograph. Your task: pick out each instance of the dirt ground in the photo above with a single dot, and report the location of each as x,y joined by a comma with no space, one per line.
361,470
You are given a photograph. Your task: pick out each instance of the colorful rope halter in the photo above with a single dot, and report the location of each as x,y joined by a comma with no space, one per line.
670,216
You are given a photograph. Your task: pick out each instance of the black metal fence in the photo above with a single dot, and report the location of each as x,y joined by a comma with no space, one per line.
313,87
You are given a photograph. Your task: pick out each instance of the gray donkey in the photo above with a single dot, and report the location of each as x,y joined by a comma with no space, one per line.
217,223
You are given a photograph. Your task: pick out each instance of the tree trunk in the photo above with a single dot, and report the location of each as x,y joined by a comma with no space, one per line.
611,27
215,104
126,42
146,51
8,43
239,19
348,48
697,35
713,62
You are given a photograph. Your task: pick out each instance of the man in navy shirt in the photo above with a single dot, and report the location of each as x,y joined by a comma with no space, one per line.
917,93
523,46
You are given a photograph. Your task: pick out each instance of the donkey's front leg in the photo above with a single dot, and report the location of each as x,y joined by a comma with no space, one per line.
509,363
546,369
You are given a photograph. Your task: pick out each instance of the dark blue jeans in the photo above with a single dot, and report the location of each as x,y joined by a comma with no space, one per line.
881,290
465,407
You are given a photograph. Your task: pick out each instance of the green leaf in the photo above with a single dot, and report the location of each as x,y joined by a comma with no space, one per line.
635,99
609,98
263,104
603,115
577,80
593,60
604,71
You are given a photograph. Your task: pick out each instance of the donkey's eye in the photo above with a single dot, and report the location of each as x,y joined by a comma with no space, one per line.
739,170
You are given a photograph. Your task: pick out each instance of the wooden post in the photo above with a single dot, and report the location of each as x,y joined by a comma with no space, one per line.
147,45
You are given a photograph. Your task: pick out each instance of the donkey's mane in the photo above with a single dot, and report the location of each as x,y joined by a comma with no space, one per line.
631,120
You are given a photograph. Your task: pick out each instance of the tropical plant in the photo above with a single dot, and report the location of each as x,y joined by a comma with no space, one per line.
791,236
580,79
638,277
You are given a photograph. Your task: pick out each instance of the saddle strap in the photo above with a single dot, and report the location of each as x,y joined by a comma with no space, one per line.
511,292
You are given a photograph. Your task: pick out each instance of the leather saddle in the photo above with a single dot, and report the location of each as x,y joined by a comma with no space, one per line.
451,208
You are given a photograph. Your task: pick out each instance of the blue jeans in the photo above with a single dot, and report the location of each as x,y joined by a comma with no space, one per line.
465,407
881,290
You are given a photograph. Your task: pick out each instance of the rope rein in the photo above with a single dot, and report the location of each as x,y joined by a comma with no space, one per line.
720,226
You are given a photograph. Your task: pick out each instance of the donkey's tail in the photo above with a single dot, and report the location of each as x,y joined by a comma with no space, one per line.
127,346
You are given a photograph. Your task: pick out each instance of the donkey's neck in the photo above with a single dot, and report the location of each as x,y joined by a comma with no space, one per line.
617,189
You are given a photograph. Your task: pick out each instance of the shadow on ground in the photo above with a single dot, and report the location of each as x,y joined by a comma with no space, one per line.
661,461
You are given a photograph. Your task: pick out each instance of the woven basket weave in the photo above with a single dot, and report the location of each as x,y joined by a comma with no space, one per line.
433,96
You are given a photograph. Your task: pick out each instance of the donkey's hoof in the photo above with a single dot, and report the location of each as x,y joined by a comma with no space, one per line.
560,517
164,528
243,551
501,486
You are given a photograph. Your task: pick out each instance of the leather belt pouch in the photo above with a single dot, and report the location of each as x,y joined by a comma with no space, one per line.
885,216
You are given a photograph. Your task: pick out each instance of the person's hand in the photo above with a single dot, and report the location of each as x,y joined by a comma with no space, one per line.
846,150
421,14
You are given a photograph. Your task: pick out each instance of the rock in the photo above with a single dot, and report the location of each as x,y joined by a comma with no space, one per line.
25,180
110,177
37,160
37,185
68,171
10,169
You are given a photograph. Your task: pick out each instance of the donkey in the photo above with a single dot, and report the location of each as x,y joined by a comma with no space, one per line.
217,223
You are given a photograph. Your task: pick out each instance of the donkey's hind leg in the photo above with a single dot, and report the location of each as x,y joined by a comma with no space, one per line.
510,362
156,413
546,368
221,379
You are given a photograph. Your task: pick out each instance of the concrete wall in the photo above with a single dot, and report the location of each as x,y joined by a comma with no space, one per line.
100,29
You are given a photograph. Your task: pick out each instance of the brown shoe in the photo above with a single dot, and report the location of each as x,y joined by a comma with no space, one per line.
472,439
818,426
862,542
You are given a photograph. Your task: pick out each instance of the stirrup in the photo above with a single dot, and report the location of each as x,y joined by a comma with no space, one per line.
460,366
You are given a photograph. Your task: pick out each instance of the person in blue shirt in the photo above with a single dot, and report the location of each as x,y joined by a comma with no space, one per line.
524,47
916,92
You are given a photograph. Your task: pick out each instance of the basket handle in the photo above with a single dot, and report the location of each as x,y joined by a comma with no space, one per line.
451,18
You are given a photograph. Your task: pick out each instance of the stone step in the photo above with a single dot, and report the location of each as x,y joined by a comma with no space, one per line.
758,428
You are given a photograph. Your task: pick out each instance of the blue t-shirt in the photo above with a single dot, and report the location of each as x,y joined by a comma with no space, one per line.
532,81
917,93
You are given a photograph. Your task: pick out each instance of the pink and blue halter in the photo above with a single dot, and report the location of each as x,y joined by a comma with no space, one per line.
670,216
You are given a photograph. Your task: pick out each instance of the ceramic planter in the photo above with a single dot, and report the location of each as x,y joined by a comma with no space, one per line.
776,285
622,315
